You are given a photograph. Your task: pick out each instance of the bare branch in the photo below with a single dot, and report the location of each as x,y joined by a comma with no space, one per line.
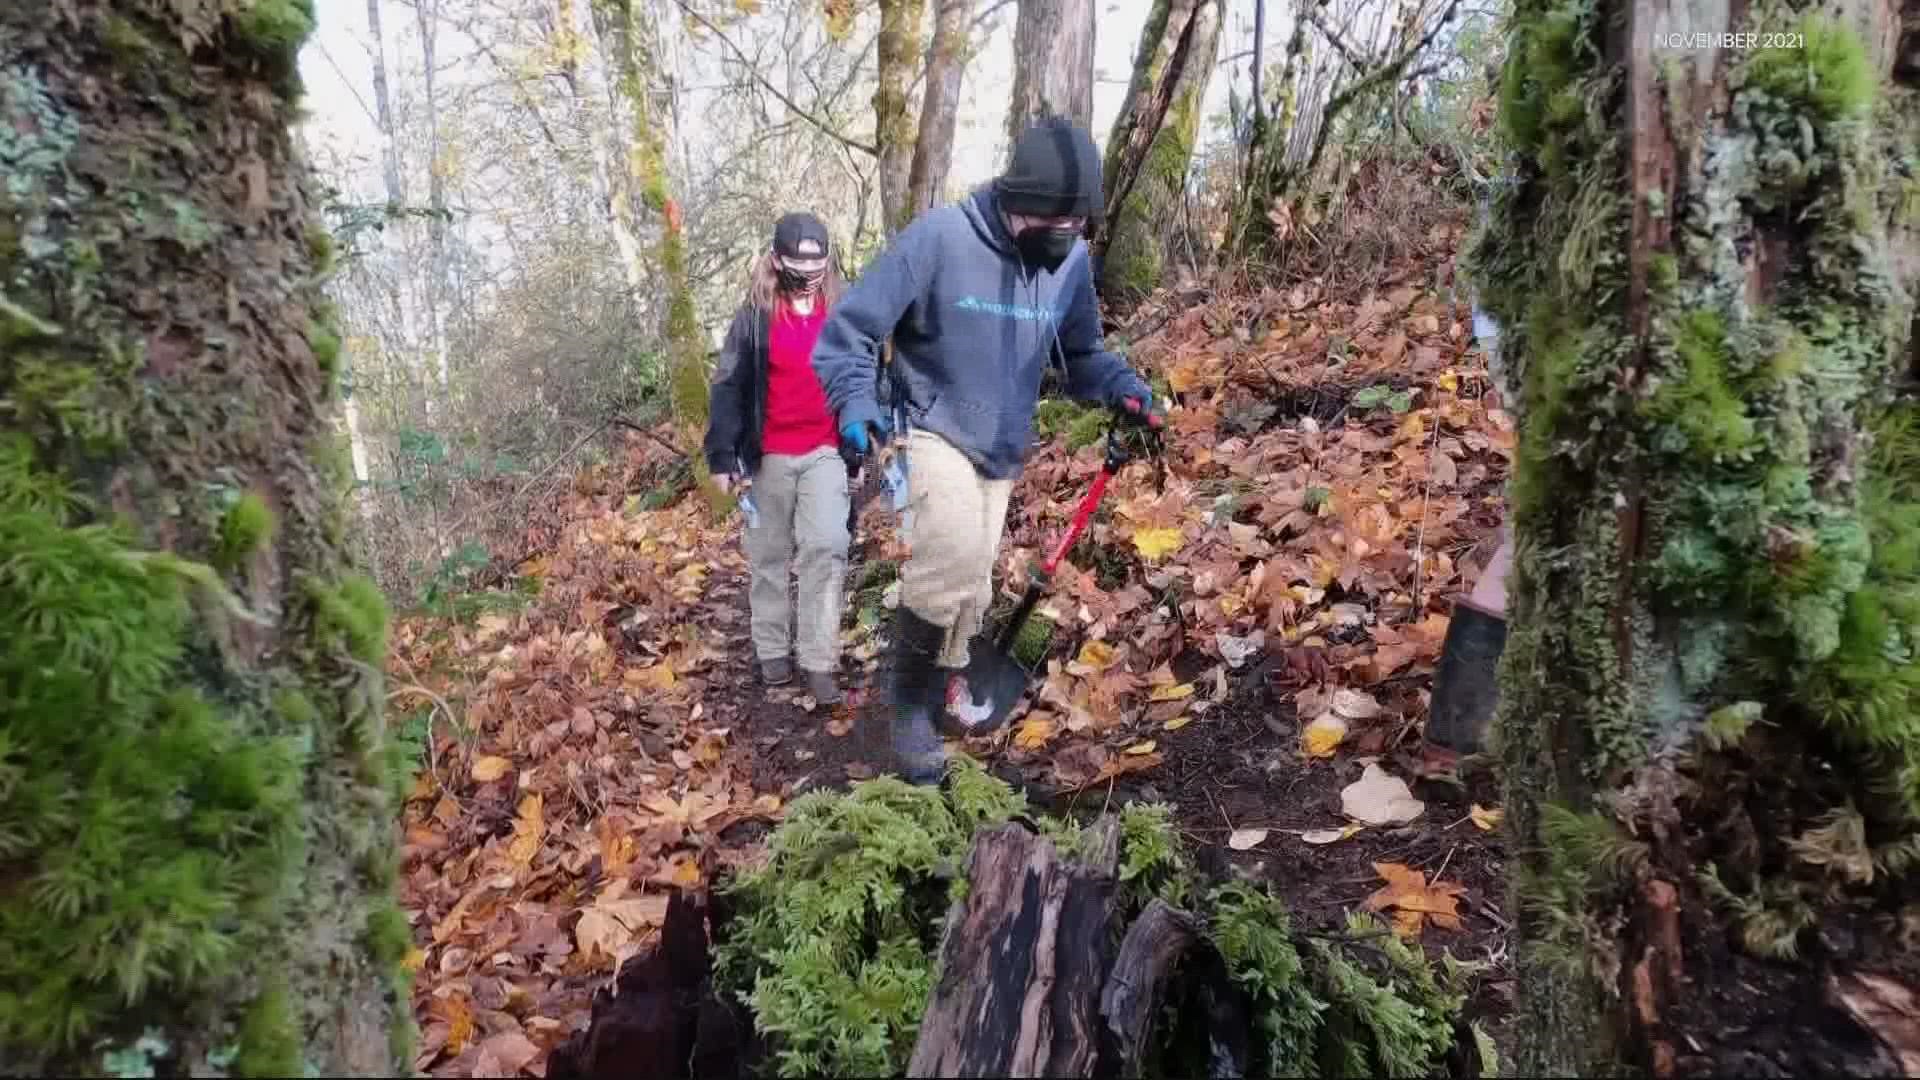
768,86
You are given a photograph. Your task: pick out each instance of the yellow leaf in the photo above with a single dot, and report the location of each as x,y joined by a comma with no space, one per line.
657,677
1323,735
1487,819
767,804
1138,749
529,828
1033,733
1448,381
1177,722
1156,544
1095,656
415,959
1171,693
488,769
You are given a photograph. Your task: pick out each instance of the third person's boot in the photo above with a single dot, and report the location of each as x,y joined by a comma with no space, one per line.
919,692
1465,690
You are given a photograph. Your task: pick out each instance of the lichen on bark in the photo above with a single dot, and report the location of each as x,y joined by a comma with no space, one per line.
191,855
1697,273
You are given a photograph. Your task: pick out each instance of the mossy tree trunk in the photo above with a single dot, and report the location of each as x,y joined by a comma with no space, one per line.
940,106
1710,722
1151,148
1053,44
896,50
648,173
197,796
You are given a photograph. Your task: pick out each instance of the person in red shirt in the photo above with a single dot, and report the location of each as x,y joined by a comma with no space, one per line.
768,420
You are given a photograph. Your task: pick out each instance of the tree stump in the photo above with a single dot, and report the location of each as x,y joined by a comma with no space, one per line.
1023,960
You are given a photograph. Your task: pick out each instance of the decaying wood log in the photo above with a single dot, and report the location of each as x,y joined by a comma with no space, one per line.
1152,949
1085,951
1022,961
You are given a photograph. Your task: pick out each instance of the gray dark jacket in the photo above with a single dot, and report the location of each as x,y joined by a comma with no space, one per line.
973,330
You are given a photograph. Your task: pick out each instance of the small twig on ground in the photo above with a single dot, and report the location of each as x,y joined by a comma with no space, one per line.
433,756
1443,862
1420,537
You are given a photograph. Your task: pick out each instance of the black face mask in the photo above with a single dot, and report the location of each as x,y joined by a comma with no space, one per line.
795,281
1046,247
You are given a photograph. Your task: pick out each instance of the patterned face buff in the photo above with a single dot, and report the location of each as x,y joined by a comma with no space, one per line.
802,276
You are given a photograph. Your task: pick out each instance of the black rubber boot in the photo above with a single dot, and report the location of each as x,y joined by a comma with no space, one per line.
919,693
1465,692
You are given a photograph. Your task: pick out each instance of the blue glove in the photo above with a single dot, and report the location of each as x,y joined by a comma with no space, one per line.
854,437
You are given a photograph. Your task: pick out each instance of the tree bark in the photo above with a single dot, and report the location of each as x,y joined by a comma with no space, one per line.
940,107
1151,147
1707,696
1023,961
1053,40
897,48
648,173
198,791
1152,950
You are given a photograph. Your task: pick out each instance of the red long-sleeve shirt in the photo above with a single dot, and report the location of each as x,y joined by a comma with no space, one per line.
798,420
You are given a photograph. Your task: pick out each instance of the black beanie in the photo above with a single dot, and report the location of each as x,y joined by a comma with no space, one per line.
1055,171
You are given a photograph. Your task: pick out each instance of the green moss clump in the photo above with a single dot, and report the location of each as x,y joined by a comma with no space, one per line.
1034,638
320,248
1700,402
352,615
1826,76
270,1042
276,26
246,528
1088,428
389,935
325,342
144,822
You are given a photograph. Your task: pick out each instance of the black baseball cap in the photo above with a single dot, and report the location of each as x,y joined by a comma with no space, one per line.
801,237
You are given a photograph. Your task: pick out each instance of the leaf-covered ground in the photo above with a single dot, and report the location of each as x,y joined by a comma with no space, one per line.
1249,636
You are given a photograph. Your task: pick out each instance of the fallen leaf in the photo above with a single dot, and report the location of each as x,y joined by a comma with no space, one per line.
1033,733
1128,763
1177,723
1329,836
1244,839
1355,704
1320,738
511,1049
529,828
1171,693
1141,748
1486,819
488,769
1095,657
1414,901
1080,764
1156,544
1380,798
613,928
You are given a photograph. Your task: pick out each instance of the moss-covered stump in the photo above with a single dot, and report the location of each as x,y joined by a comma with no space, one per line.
833,946
1710,716
195,792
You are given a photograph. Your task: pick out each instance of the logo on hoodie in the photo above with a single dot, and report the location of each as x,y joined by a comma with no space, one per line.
1006,311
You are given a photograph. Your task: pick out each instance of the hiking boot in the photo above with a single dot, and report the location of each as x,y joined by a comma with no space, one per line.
824,689
776,672
1465,690
919,693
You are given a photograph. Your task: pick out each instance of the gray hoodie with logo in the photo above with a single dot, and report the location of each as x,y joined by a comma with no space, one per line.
973,330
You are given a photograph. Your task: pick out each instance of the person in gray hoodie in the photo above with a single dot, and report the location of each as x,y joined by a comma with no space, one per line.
979,298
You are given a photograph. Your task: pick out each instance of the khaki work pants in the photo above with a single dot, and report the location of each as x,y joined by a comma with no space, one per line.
952,539
802,504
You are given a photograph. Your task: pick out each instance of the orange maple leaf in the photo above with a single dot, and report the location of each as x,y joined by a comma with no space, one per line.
1414,900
